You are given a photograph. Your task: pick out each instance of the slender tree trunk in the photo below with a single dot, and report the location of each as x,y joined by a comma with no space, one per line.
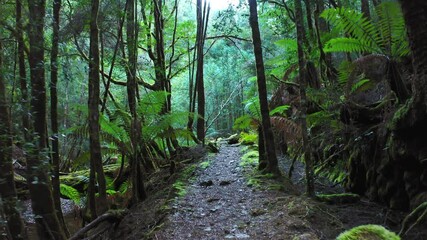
202,20
365,8
54,112
7,183
47,223
303,85
22,72
94,95
262,91
138,191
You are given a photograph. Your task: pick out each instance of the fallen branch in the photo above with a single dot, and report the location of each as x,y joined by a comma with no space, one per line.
111,216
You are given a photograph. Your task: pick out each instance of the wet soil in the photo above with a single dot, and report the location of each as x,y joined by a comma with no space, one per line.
221,202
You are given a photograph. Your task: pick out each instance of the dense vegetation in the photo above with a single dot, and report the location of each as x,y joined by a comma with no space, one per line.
95,96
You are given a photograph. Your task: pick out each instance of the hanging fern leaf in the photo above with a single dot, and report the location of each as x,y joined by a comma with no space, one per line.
287,44
353,23
290,129
280,110
349,45
392,28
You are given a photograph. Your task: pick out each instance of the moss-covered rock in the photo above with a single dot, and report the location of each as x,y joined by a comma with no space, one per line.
368,232
338,198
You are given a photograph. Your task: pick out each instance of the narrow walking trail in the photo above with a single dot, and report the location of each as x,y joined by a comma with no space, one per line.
220,204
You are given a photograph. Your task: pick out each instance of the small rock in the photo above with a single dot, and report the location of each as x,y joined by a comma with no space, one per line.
206,183
242,236
224,183
208,229
212,200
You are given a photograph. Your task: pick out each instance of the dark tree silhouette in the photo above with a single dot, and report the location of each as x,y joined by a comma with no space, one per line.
262,92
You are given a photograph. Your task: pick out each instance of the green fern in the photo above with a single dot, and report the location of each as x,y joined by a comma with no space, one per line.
385,36
70,193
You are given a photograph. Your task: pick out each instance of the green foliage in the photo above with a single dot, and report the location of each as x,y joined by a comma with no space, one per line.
180,185
70,193
248,138
385,36
243,122
280,110
368,232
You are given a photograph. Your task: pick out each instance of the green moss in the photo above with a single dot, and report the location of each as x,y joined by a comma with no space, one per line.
250,158
205,164
338,198
368,232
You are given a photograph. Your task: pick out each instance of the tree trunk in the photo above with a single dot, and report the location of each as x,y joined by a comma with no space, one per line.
47,223
303,85
54,113
138,191
202,19
365,8
7,184
93,103
22,72
262,91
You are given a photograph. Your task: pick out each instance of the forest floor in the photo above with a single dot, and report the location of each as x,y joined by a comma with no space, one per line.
223,199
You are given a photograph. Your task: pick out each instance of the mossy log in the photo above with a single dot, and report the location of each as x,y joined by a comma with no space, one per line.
368,232
79,179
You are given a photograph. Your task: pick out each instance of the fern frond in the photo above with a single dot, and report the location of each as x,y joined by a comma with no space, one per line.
290,129
355,24
344,71
70,192
152,103
252,107
349,45
392,29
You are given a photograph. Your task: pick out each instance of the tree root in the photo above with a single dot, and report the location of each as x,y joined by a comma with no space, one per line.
111,216
418,215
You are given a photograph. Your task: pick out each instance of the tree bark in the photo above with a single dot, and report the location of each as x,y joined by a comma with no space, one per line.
262,91
93,103
7,183
202,19
138,191
365,8
54,113
47,223
303,110
22,72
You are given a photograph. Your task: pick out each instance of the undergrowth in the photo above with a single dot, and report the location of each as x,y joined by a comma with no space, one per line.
254,177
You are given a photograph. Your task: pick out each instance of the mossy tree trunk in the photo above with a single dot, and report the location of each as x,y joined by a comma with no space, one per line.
39,184
138,190
94,128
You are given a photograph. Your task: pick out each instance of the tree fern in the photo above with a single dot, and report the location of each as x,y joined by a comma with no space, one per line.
385,36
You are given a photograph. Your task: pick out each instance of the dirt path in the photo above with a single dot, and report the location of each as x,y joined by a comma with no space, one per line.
219,204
